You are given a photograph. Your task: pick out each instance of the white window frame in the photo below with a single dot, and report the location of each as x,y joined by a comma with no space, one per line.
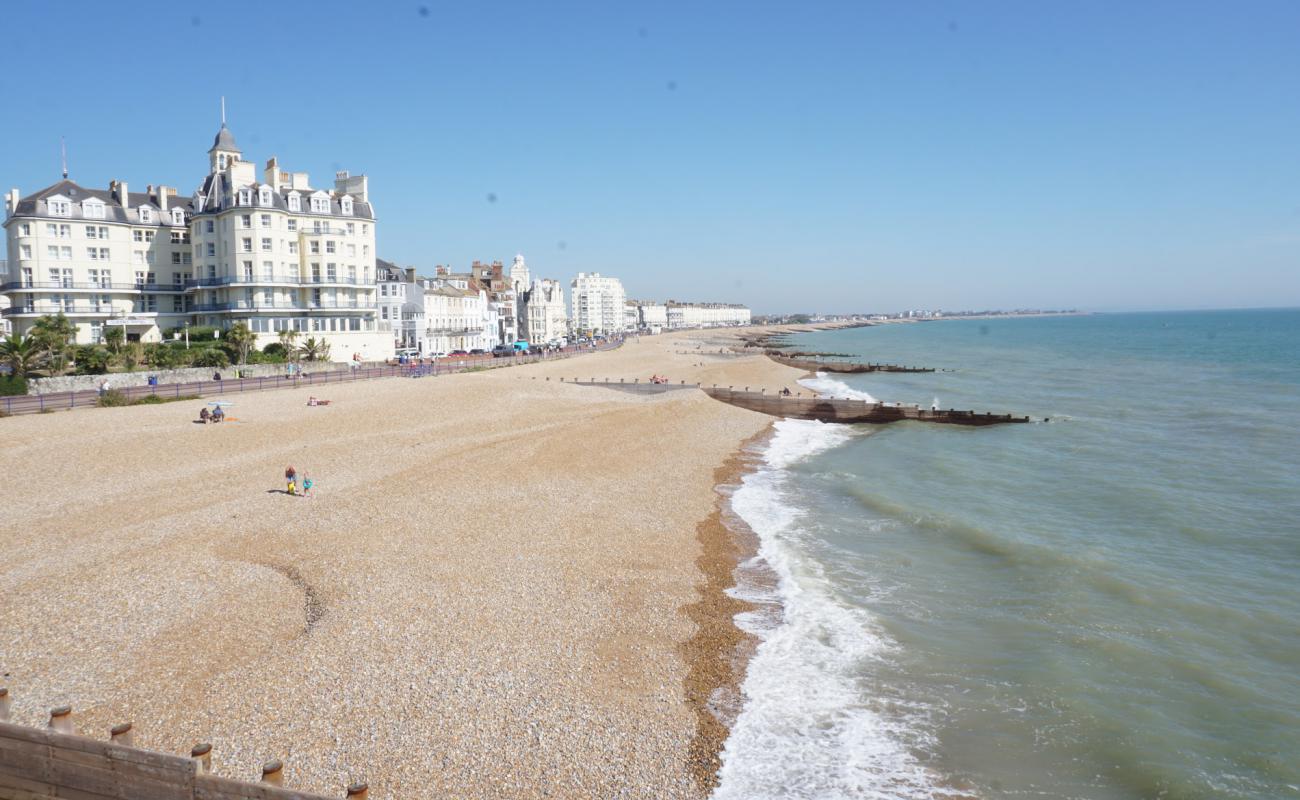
58,206
295,201
345,205
93,208
145,214
264,196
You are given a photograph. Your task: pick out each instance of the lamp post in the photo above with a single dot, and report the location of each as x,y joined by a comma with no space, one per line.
187,336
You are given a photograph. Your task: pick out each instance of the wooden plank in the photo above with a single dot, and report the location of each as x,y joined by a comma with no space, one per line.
13,787
212,787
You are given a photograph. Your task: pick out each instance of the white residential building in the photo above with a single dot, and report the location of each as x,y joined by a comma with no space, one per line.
275,254
99,257
598,303
394,285
546,317
706,315
456,317
651,315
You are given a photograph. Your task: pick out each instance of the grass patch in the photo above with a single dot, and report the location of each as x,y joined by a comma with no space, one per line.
157,399
114,398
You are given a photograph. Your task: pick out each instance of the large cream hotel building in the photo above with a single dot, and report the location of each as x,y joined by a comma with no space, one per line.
273,253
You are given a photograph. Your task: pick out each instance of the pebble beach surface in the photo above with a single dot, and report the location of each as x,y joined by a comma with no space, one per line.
486,597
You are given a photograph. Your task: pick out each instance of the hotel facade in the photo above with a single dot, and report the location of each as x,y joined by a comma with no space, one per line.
275,254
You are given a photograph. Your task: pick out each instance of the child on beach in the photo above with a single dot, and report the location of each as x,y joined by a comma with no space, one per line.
306,485
291,478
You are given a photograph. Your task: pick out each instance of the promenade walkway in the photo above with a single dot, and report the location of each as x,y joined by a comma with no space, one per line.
62,401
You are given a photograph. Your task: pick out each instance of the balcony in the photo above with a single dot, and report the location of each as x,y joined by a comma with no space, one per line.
67,309
282,280
66,286
255,306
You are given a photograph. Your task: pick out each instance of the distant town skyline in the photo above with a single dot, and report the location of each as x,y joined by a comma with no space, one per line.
832,158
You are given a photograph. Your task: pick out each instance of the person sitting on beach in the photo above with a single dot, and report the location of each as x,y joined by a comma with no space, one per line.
204,415
218,414
785,392
291,479
311,401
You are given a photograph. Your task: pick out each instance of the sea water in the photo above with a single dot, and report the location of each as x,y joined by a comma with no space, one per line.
1106,605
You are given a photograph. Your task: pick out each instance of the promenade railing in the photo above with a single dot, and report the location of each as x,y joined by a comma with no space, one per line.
60,401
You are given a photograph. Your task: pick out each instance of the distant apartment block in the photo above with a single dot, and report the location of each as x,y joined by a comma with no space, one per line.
598,303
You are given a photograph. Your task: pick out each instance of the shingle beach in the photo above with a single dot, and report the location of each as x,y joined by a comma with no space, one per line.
491,595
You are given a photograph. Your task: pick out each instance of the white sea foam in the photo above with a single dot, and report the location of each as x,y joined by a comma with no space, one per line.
827,386
807,729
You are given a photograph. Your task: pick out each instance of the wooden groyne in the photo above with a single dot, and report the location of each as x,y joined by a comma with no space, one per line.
847,411
823,409
840,366
56,762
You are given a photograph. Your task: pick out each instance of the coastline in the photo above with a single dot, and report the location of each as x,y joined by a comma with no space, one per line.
491,590
719,651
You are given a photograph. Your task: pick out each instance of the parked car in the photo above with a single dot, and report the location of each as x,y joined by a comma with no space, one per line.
458,353
502,351
437,355
478,351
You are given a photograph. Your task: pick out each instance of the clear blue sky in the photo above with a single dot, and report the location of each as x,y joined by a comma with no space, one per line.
793,156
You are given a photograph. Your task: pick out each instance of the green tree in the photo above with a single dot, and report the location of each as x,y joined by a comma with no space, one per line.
23,354
241,339
114,338
288,340
314,349
54,335
92,359
212,357
160,355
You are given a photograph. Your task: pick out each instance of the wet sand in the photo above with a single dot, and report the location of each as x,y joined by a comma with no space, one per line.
505,586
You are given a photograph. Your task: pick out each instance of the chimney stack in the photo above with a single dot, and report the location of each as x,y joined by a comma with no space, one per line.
118,190
163,192
11,201
410,274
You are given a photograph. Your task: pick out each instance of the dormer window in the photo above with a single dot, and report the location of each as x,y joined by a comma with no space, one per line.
264,196
178,216
245,197
146,214
59,206
345,205
320,204
92,209
295,202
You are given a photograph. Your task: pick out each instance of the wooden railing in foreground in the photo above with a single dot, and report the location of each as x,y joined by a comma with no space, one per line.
55,762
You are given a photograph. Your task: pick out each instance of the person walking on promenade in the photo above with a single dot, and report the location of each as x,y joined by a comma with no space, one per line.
291,480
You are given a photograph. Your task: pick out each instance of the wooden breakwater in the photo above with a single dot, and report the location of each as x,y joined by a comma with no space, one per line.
826,409
840,366
56,762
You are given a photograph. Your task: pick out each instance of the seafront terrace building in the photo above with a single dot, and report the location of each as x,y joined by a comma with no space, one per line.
706,315
275,254
100,257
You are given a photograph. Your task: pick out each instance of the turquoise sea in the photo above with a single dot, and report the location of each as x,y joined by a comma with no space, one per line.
1103,606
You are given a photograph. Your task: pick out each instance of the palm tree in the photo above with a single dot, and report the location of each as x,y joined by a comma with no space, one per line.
114,338
287,339
23,354
242,339
54,334
316,349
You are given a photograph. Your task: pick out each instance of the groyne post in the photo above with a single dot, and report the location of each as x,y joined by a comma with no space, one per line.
121,734
273,772
202,755
61,719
